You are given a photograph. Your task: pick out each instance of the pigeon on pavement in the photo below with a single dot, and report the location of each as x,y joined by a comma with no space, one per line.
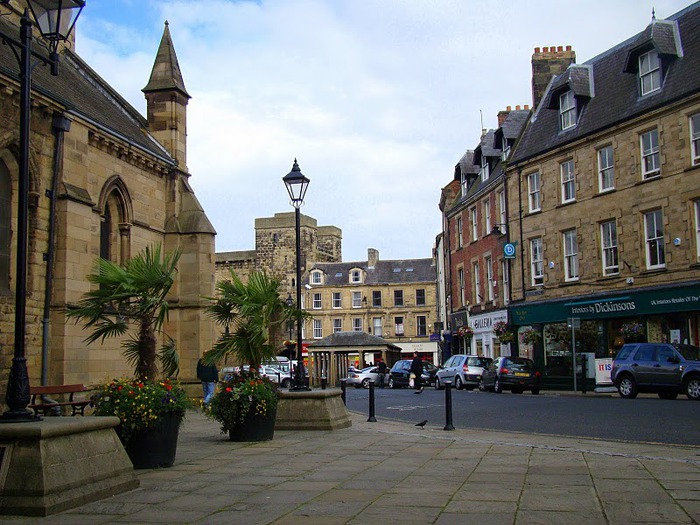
422,423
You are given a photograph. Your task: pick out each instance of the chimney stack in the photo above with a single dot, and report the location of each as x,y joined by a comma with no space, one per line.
546,63
372,257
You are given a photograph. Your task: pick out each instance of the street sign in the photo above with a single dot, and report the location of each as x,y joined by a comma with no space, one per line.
509,250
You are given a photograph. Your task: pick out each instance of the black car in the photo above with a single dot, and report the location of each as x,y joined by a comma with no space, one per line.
661,368
400,372
516,374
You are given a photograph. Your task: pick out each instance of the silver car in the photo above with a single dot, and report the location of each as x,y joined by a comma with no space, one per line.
361,378
464,371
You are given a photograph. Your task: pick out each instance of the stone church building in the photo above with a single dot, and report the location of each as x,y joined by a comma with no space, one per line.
104,182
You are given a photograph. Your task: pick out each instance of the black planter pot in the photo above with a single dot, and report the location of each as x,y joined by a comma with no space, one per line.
155,447
254,428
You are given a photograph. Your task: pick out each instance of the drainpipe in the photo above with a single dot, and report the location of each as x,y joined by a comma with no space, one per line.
522,240
60,125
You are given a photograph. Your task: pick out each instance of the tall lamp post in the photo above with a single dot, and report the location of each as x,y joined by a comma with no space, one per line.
297,185
55,20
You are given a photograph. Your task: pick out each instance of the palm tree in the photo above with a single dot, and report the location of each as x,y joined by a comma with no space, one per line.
253,313
135,293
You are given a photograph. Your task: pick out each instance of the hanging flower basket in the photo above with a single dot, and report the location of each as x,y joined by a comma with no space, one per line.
632,331
503,332
465,331
530,337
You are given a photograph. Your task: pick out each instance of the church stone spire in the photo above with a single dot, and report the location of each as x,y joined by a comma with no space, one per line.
167,99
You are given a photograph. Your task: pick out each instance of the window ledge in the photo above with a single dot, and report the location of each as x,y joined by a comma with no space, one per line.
570,283
605,192
655,176
567,203
653,271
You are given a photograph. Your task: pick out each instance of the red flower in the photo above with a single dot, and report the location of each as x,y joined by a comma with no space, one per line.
229,389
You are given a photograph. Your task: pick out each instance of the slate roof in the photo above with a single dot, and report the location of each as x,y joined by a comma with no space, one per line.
466,165
616,93
512,125
352,339
83,92
384,272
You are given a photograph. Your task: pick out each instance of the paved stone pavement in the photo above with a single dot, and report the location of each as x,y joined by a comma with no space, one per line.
394,472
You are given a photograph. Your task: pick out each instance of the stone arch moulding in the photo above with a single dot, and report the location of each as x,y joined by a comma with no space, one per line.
115,228
116,184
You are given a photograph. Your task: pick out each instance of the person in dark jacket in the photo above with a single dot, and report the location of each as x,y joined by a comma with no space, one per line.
208,375
381,368
417,370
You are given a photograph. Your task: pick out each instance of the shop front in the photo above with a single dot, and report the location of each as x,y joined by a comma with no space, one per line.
599,325
484,342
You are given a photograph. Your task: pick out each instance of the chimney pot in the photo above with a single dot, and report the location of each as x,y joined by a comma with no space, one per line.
517,108
507,108
527,107
545,50
560,48
537,50
568,48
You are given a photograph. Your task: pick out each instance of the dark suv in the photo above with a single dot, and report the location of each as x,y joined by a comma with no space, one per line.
511,373
657,367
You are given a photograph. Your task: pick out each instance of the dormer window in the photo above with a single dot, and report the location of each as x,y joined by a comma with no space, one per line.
505,147
464,184
567,110
355,276
649,72
484,171
316,277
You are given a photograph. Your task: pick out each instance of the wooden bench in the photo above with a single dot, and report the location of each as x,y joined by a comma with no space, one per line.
78,406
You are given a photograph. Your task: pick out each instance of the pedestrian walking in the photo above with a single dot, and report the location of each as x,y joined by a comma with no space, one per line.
208,375
417,370
382,372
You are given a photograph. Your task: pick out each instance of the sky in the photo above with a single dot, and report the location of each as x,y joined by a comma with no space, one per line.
377,99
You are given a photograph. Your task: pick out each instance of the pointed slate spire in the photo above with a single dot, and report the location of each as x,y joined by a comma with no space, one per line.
166,73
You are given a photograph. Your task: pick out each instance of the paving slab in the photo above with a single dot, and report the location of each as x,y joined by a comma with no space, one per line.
391,471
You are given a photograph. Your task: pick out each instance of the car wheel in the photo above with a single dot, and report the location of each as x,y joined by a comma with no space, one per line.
668,395
458,383
482,387
365,382
437,384
286,383
627,387
517,390
692,388
392,384
497,387
535,391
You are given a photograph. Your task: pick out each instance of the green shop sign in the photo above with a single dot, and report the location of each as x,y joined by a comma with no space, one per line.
658,301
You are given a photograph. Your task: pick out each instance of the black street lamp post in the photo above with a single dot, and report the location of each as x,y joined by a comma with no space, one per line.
55,20
297,185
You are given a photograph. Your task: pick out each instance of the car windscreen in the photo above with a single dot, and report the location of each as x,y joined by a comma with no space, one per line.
478,361
690,352
521,364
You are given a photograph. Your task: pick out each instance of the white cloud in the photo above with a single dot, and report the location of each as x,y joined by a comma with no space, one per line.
378,99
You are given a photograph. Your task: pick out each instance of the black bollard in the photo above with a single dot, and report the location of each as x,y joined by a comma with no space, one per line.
324,383
371,418
583,372
448,406
342,390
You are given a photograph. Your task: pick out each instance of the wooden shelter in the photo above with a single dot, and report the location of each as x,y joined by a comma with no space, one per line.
330,357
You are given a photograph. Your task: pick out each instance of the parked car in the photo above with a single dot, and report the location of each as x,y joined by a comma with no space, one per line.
276,375
361,378
400,372
463,370
660,368
516,374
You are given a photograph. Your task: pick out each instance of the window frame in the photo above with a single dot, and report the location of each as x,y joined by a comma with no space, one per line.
488,263
337,325
652,153
567,169
484,170
536,262
694,125
477,283
460,236
505,269
651,73
606,168
420,297
487,217
376,298
337,300
316,301
399,326
473,217
376,325
534,199
570,253
609,248
654,245
317,328
421,326
398,298
505,148
567,110
357,324
316,277
460,279
355,276
503,219
357,299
